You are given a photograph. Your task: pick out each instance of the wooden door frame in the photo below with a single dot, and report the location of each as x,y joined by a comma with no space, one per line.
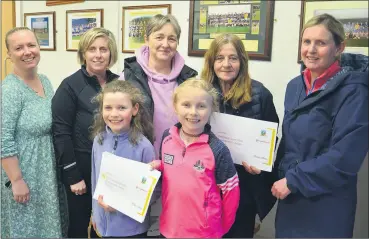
4,62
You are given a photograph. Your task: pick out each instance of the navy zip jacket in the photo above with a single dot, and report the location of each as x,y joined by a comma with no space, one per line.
324,142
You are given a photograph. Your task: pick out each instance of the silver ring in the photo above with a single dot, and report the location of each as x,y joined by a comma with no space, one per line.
77,194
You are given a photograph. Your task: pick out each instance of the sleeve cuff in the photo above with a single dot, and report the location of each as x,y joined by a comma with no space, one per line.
72,175
290,185
8,154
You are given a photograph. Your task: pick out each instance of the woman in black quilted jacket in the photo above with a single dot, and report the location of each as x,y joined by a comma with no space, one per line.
226,67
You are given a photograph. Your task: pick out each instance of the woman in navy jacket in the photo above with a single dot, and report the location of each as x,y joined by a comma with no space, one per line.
226,67
325,136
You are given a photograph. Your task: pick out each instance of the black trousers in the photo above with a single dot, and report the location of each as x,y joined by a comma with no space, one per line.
80,206
79,209
244,225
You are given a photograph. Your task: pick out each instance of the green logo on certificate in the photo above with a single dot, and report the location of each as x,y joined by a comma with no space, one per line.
263,132
143,181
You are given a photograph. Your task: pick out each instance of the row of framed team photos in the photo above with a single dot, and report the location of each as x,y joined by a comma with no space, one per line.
251,20
134,22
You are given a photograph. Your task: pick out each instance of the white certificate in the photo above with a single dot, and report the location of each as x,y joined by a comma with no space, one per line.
249,140
126,185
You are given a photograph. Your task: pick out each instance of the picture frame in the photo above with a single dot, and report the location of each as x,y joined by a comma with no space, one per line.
80,21
43,25
352,14
61,2
251,20
134,20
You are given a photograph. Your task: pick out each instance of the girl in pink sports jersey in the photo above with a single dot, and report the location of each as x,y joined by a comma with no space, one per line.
200,192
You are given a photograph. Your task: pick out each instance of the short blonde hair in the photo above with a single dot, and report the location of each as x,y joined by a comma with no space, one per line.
158,21
334,26
200,84
90,36
17,29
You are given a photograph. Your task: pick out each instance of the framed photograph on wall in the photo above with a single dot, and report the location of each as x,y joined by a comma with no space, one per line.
61,2
251,20
134,20
352,14
80,21
43,25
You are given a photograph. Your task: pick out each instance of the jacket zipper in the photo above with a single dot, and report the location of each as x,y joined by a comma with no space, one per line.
106,222
107,214
115,144
205,205
311,89
206,211
148,93
224,107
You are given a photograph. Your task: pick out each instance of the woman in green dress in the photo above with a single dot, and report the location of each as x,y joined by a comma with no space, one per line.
31,198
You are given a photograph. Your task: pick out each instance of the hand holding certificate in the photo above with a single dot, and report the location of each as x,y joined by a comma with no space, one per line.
126,185
106,207
249,140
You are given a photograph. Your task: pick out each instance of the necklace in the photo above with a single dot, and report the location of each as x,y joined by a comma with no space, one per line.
33,89
29,86
190,135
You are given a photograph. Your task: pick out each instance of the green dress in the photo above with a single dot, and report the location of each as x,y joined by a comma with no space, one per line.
26,133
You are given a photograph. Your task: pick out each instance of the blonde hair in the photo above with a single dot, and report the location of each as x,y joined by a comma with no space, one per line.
140,123
158,21
89,37
200,84
334,26
17,29
240,91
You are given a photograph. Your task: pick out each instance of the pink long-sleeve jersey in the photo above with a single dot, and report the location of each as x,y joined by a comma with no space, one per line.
200,192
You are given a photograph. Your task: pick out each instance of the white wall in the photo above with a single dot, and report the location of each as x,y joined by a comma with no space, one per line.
60,63
274,74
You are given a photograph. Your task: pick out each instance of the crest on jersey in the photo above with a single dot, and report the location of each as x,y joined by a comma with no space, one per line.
199,166
168,159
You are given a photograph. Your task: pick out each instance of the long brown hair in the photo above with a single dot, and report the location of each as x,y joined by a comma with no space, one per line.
240,91
140,123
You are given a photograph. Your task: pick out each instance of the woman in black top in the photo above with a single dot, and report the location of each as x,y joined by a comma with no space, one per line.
72,116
